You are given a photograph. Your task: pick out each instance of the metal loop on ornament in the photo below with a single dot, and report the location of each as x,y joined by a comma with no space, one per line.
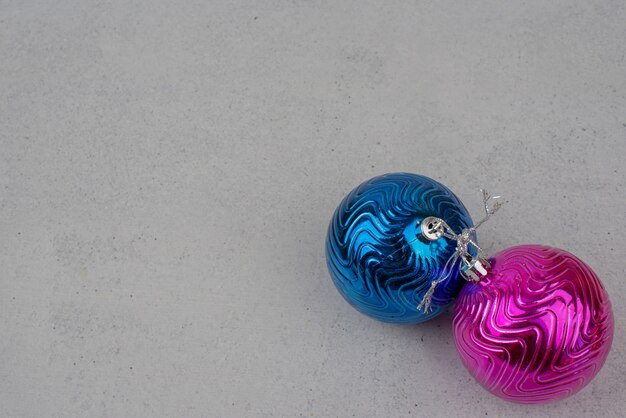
471,268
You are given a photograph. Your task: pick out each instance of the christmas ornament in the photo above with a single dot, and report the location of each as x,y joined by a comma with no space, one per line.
534,324
378,256
537,327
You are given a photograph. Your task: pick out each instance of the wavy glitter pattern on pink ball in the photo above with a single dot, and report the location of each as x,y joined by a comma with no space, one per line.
537,328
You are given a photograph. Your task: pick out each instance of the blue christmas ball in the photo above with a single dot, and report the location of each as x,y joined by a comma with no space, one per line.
377,256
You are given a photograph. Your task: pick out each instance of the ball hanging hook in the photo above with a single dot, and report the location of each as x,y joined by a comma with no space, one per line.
471,268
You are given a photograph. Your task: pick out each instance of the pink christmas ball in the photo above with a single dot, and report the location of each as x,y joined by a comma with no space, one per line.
537,328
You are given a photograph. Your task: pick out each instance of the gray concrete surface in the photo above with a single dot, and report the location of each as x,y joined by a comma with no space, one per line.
168,169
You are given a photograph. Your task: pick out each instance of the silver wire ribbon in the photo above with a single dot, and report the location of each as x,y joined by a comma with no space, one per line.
471,267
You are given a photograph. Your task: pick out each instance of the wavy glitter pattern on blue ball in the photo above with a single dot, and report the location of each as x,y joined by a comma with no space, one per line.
375,252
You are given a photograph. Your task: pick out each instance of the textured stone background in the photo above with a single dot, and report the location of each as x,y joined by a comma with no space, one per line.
168,169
